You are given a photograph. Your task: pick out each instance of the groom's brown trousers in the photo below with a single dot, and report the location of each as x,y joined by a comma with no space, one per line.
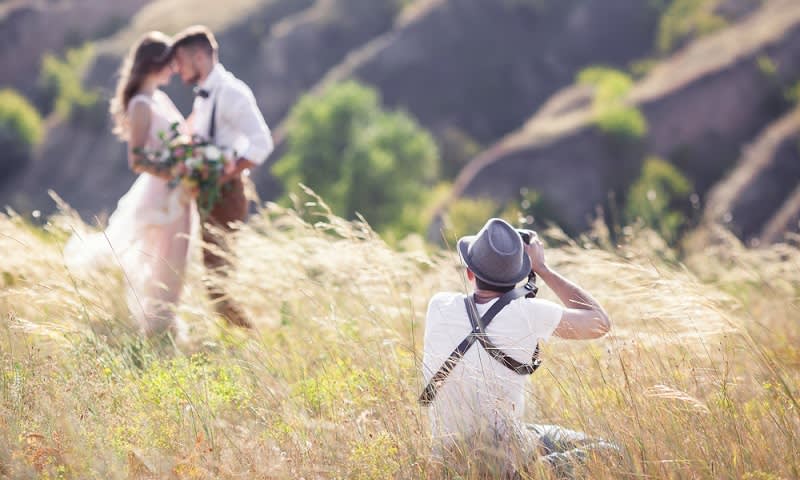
231,207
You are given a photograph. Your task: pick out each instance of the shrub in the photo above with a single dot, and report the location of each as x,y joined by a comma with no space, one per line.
457,149
528,210
767,66
622,122
360,158
641,68
792,94
659,198
611,85
466,216
611,114
685,19
61,88
20,130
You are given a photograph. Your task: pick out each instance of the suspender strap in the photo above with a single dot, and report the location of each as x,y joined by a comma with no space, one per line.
479,325
212,128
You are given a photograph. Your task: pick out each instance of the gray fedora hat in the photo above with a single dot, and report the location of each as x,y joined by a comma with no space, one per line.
496,254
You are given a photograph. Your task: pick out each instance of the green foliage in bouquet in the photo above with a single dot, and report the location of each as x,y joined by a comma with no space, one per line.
190,163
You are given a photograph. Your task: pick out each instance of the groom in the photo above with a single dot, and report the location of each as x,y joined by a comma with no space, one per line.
226,114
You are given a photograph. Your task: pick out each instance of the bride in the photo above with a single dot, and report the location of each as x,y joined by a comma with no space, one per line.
148,234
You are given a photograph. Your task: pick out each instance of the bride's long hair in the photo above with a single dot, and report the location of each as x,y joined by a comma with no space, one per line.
149,55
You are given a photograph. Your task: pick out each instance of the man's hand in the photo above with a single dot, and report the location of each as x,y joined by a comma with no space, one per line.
583,316
241,165
535,250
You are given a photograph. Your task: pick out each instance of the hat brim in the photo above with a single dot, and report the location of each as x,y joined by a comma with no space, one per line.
463,250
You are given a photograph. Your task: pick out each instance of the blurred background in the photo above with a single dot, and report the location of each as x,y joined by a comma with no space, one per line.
431,115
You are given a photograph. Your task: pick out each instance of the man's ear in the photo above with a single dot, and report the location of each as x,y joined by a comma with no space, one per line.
470,275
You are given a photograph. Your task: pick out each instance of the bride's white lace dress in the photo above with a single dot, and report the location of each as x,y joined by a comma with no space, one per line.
148,235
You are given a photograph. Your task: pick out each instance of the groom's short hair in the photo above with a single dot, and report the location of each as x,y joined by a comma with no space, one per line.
196,36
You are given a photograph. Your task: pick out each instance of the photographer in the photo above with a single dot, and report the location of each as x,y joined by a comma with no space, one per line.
479,350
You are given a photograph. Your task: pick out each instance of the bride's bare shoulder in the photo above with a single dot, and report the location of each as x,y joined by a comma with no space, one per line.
161,97
139,101
165,100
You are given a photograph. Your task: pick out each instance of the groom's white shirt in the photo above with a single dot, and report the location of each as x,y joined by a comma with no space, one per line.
239,123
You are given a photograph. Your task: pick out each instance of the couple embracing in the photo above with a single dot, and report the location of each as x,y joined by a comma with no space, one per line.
149,233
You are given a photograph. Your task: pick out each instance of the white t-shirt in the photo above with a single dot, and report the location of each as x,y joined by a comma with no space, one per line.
481,395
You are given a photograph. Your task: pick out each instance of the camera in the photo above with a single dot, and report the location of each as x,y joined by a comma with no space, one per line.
526,235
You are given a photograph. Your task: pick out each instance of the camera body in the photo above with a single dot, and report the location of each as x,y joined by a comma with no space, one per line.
526,235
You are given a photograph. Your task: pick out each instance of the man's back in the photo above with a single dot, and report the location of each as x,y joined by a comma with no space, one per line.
480,393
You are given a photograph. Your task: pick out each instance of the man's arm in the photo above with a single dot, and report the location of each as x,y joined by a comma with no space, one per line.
241,110
583,317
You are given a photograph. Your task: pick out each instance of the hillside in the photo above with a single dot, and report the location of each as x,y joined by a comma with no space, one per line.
483,67
758,198
494,82
31,28
282,48
701,106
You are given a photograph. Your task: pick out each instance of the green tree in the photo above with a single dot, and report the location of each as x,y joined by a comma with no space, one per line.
659,198
61,88
360,158
20,131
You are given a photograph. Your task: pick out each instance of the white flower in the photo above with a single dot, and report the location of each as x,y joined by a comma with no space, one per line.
212,152
194,162
228,155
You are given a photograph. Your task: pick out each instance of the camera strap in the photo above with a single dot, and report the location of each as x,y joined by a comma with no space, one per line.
478,333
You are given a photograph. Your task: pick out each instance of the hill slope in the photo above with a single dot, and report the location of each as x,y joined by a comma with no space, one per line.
758,199
483,67
31,28
702,106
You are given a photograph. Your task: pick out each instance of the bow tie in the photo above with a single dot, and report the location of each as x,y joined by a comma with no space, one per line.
200,92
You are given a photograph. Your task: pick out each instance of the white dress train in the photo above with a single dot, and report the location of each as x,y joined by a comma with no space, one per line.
148,236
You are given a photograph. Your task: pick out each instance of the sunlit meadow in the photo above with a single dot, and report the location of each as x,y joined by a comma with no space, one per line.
699,378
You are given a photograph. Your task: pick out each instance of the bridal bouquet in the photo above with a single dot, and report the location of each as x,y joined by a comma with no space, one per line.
190,162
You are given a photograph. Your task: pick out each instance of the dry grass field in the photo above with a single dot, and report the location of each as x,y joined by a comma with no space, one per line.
699,378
